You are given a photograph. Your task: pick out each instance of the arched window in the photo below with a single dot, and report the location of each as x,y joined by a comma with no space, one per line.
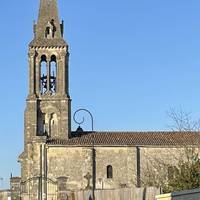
109,171
50,30
43,74
53,28
53,74
47,32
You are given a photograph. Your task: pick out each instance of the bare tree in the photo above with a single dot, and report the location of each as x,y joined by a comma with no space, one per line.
179,168
182,121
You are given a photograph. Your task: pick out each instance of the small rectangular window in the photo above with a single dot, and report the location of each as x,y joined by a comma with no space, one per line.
109,171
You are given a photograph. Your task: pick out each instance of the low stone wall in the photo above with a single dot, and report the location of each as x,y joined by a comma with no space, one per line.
117,194
5,195
182,195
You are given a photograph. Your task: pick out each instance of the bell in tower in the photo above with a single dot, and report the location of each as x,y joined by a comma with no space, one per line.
48,103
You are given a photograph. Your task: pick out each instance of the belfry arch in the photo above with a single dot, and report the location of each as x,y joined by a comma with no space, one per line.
43,74
53,74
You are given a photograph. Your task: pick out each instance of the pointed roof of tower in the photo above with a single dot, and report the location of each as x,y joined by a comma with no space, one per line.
48,31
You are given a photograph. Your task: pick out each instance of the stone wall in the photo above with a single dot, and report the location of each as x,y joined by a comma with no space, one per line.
154,163
15,187
73,163
76,163
150,165
5,195
123,161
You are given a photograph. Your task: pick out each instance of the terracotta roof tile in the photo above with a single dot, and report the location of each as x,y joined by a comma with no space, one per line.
132,139
48,43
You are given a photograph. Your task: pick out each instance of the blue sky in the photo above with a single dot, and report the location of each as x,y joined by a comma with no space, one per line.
131,61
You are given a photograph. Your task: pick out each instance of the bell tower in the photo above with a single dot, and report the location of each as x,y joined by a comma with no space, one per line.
48,110
48,104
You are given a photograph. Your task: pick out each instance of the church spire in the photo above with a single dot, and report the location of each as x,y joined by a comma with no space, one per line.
48,31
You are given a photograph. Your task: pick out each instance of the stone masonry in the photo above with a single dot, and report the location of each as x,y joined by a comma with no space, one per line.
56,161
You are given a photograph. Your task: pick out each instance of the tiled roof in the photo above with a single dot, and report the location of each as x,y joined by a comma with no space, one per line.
48,43
131,139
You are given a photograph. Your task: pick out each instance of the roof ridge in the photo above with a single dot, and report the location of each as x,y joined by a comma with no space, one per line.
142,132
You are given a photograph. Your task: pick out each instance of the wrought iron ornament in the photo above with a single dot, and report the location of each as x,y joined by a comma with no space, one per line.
83,119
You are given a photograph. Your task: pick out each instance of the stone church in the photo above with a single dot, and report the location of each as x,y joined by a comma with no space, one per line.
56,159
